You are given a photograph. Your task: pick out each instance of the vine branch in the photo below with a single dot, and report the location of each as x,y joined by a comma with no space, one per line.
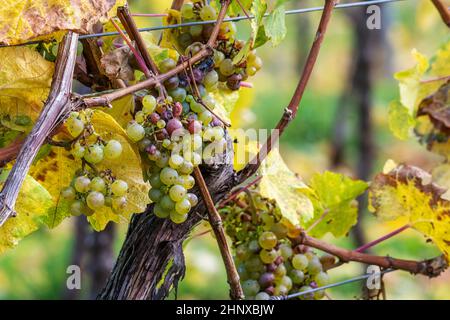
291,110
215,221
57,104
443,11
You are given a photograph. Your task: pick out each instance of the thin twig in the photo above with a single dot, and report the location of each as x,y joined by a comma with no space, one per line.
291,111
215,221
10,152
243,9
234,194
443,11
322,216
58,103
383,238
435,79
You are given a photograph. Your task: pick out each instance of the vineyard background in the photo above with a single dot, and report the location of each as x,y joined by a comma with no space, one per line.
36,269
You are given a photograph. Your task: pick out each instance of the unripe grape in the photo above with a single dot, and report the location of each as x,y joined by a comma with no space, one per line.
187,11
77,208
193,199
160,212
177,218
267,240
162,160
187,167
148,104
178,94
94,154
196,30
205,117
314,266
211,80
286,251
218,57
118,203
287,282
81,184
280,271
95,200
250,287
167,65
135,131
97,184
155,181
177,192
75,126
268,256
208,13
68,193
183,206
119,188
300,262
262,296
226,67
167,203
78,150
168,176
188,181
113,149
322,279
280,290
297,276
139,117
155,194
308,296
161,124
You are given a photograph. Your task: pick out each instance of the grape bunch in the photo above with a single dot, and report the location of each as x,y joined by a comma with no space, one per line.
190,39
89,192
89,146
269,261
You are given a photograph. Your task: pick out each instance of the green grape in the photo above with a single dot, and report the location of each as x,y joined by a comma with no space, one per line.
218,57
196,30
267,240
162,161
183,206
168,176
155,194
196,107
81,184
161,124
297,276
140,117
78,150
322,279
218,133
314,266
94,154
280,230
319,294
280,271
226,67
167,65
74,126
186,168
208,134
175,161
188,181
113,149
208,13
254,264
280,290
251,71
160,212
187,11
135,131
308,296
97,184
192,199
268,256
119,188
287,282
211,80
95,200
178,94
155,181
255,62
68,193
253,246
250,287
205,117
166,143
300,262
262,296
197,141
196,158
143,144
118,203
148,104
177,218
77,208
177,192
167,203
286,251
242,252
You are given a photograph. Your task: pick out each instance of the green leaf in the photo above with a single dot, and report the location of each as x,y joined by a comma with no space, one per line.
400,120
275,26
258,9
335,207
242,54
32,206
279,183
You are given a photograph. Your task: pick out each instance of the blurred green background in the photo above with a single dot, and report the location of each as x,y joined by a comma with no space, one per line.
36,269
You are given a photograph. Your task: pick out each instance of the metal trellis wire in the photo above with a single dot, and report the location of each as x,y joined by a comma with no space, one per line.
234,19
337,284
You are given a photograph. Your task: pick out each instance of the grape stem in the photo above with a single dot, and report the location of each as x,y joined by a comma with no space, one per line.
234,194
431,267
291,111
383,238
215,221
9,152
57,105
206,51
443,11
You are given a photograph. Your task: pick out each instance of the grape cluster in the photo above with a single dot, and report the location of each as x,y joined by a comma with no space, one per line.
89,192
191,38
269,261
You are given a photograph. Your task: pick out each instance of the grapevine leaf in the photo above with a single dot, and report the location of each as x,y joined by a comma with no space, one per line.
116,64
170,36
335,207
400,120
25,79
408,191
441,61
121,110
441,175
225,101
32,205
279,183
275,26
21,21
258,9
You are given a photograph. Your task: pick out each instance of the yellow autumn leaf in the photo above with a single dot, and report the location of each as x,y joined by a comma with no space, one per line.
21,21
121,110
279,183
225,101
32,205
25,79
408,191
400,120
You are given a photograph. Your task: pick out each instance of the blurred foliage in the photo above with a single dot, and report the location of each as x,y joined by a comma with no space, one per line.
36,269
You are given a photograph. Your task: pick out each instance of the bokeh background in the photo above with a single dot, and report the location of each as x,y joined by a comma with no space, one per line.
341,125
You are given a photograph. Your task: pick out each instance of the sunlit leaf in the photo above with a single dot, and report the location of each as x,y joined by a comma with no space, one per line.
400,120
